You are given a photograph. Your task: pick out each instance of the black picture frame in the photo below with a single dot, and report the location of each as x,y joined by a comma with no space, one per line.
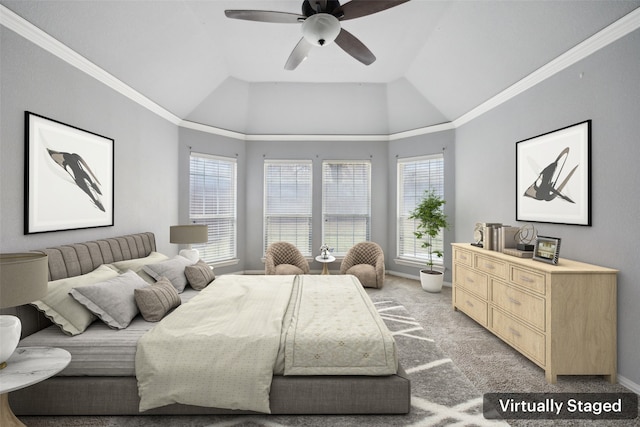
547,249
69,177
553,176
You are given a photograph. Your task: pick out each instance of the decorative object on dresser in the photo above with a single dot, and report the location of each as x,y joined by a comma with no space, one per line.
547,249
561,317
69,177
553,176
187,235
431,220
23,279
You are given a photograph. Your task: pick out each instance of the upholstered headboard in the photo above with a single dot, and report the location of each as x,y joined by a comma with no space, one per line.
81,258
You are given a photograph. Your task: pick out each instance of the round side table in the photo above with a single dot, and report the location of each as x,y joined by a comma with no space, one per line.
28,366
325,262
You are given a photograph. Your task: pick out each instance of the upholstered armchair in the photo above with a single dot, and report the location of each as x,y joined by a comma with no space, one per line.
285,258
365,260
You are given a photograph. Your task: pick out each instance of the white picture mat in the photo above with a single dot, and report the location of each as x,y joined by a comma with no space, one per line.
534,155
55,201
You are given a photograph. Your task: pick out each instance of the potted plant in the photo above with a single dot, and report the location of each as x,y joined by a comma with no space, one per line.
431,220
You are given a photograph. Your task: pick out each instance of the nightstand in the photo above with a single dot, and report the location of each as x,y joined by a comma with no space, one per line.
28,366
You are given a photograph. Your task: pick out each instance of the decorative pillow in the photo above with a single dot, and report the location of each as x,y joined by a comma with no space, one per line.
156,300
72,317
113,300
199,275
172,269
137,264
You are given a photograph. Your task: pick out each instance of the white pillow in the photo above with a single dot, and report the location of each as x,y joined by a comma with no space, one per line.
136,265
113,301
72,317
172,269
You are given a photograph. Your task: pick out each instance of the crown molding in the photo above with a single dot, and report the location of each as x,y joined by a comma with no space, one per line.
606,36
38,37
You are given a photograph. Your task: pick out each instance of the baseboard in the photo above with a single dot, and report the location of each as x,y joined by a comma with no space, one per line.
629,384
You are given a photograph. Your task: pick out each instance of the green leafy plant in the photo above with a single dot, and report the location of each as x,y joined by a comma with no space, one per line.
431,220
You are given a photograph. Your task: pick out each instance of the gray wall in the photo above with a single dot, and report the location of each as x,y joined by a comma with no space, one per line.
607,93
146,146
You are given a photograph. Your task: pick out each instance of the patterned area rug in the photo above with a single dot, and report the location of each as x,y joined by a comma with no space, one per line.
441,394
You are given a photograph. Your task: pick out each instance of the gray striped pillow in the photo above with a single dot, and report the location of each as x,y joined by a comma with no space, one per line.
199,275
155,301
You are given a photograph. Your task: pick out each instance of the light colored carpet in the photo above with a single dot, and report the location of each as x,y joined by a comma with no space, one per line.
479,363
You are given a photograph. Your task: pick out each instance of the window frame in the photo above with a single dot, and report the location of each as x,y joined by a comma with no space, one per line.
308,250
230,256
326,240
419,256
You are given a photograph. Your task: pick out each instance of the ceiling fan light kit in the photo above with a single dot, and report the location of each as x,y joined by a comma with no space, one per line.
321,25
321,29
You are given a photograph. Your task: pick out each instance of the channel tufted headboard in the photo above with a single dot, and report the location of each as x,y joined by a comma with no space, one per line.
81,258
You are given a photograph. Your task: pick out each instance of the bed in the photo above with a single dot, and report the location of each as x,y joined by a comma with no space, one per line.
101,380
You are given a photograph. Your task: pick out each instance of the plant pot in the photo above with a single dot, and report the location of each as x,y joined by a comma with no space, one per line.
431,281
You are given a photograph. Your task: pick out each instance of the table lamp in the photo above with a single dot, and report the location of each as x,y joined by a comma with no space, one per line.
188,234
23,279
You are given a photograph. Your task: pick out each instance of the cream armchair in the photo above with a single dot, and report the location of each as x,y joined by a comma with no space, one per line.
365,260
285,258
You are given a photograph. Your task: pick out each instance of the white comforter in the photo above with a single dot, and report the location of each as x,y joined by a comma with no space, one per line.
222,348
219,349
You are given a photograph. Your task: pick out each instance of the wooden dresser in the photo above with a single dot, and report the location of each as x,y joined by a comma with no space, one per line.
562,317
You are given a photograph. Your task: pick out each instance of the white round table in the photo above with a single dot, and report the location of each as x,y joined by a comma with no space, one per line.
325,262
25,367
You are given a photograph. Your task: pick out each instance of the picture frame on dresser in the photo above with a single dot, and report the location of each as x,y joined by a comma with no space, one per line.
547,249
69,177
553,176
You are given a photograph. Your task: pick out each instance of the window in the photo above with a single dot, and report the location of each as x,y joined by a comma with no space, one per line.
288,203
415,175
212,201
346,204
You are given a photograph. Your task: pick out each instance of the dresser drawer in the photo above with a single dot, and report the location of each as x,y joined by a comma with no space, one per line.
472,306
472,280
520,304
492,266
520,336
528,279
463,257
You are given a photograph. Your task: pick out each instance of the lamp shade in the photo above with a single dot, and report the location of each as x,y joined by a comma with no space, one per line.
188,234
23,278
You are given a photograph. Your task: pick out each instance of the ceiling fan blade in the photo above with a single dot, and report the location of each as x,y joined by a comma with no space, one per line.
359,8
354,47
265,16
299,54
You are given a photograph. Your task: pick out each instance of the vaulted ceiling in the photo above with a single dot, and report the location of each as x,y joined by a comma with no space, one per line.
436,60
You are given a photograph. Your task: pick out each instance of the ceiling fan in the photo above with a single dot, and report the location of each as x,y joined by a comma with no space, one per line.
321,25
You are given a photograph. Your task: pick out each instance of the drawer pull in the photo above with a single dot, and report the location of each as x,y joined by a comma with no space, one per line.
490,266
464,257
514,301
470,280
469,303
526,279
514,332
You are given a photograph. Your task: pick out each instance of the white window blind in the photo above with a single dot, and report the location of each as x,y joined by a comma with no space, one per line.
415,175
213,202
346,204
288,200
